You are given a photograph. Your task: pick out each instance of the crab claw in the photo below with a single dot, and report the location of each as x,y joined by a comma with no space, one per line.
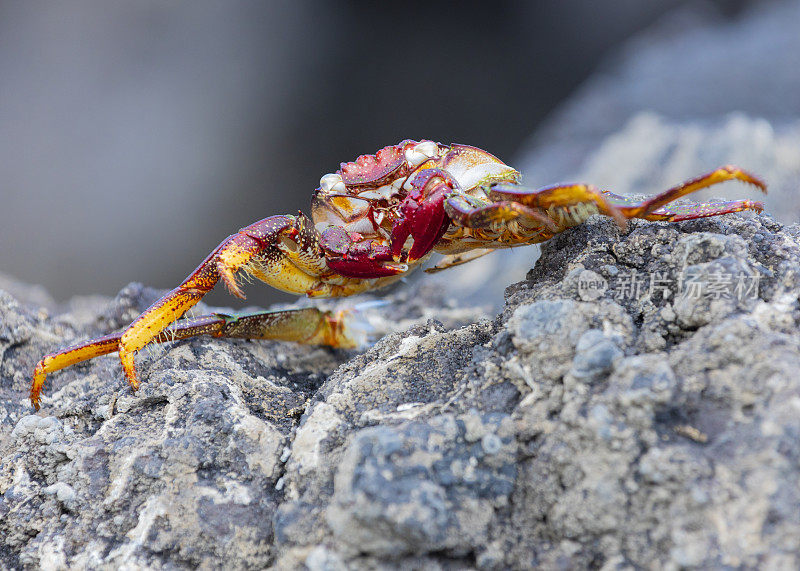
424,219
350,256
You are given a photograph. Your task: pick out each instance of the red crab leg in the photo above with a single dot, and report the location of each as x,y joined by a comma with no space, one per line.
652,208
308,325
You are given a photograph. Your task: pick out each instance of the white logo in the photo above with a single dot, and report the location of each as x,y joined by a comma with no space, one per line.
591,285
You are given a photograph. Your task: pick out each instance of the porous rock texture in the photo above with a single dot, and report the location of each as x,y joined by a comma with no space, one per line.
589,424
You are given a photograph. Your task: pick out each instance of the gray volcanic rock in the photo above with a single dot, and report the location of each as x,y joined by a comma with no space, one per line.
181,473
602,419
184,472
640,437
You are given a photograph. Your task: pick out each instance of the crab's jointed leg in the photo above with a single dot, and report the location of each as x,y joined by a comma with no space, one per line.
280,250
453,260
655,208
571,204
471,213
566,204
308,325
233,254
702,210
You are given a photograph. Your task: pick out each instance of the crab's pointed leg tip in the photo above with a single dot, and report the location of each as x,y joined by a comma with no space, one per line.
754,180
747,177
235,290
762,186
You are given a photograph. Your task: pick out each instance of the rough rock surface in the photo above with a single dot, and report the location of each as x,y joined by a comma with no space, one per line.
594,422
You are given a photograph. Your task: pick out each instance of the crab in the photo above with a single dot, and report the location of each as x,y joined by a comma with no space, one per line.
373,221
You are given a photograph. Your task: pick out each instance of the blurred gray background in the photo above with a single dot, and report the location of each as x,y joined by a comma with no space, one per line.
135,136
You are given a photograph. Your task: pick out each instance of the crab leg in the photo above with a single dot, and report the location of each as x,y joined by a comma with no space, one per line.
651,208
570,204
469,212
702,210
280,250
453,260
308,325
567,204
233,254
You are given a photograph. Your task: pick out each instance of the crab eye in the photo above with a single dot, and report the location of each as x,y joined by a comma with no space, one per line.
331,181
427,148
421,152
415,158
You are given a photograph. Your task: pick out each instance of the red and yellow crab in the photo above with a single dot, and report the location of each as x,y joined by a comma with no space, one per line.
374,220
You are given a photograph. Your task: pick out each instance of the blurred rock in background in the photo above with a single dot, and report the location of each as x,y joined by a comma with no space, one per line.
691,68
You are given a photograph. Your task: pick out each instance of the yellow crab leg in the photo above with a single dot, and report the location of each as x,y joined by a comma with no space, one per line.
308,325
632,208
567,204
70,356
700,210
264,249
230,256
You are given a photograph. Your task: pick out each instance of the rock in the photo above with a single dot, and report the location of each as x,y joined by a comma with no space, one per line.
595,355
423,486
647,427
186,472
